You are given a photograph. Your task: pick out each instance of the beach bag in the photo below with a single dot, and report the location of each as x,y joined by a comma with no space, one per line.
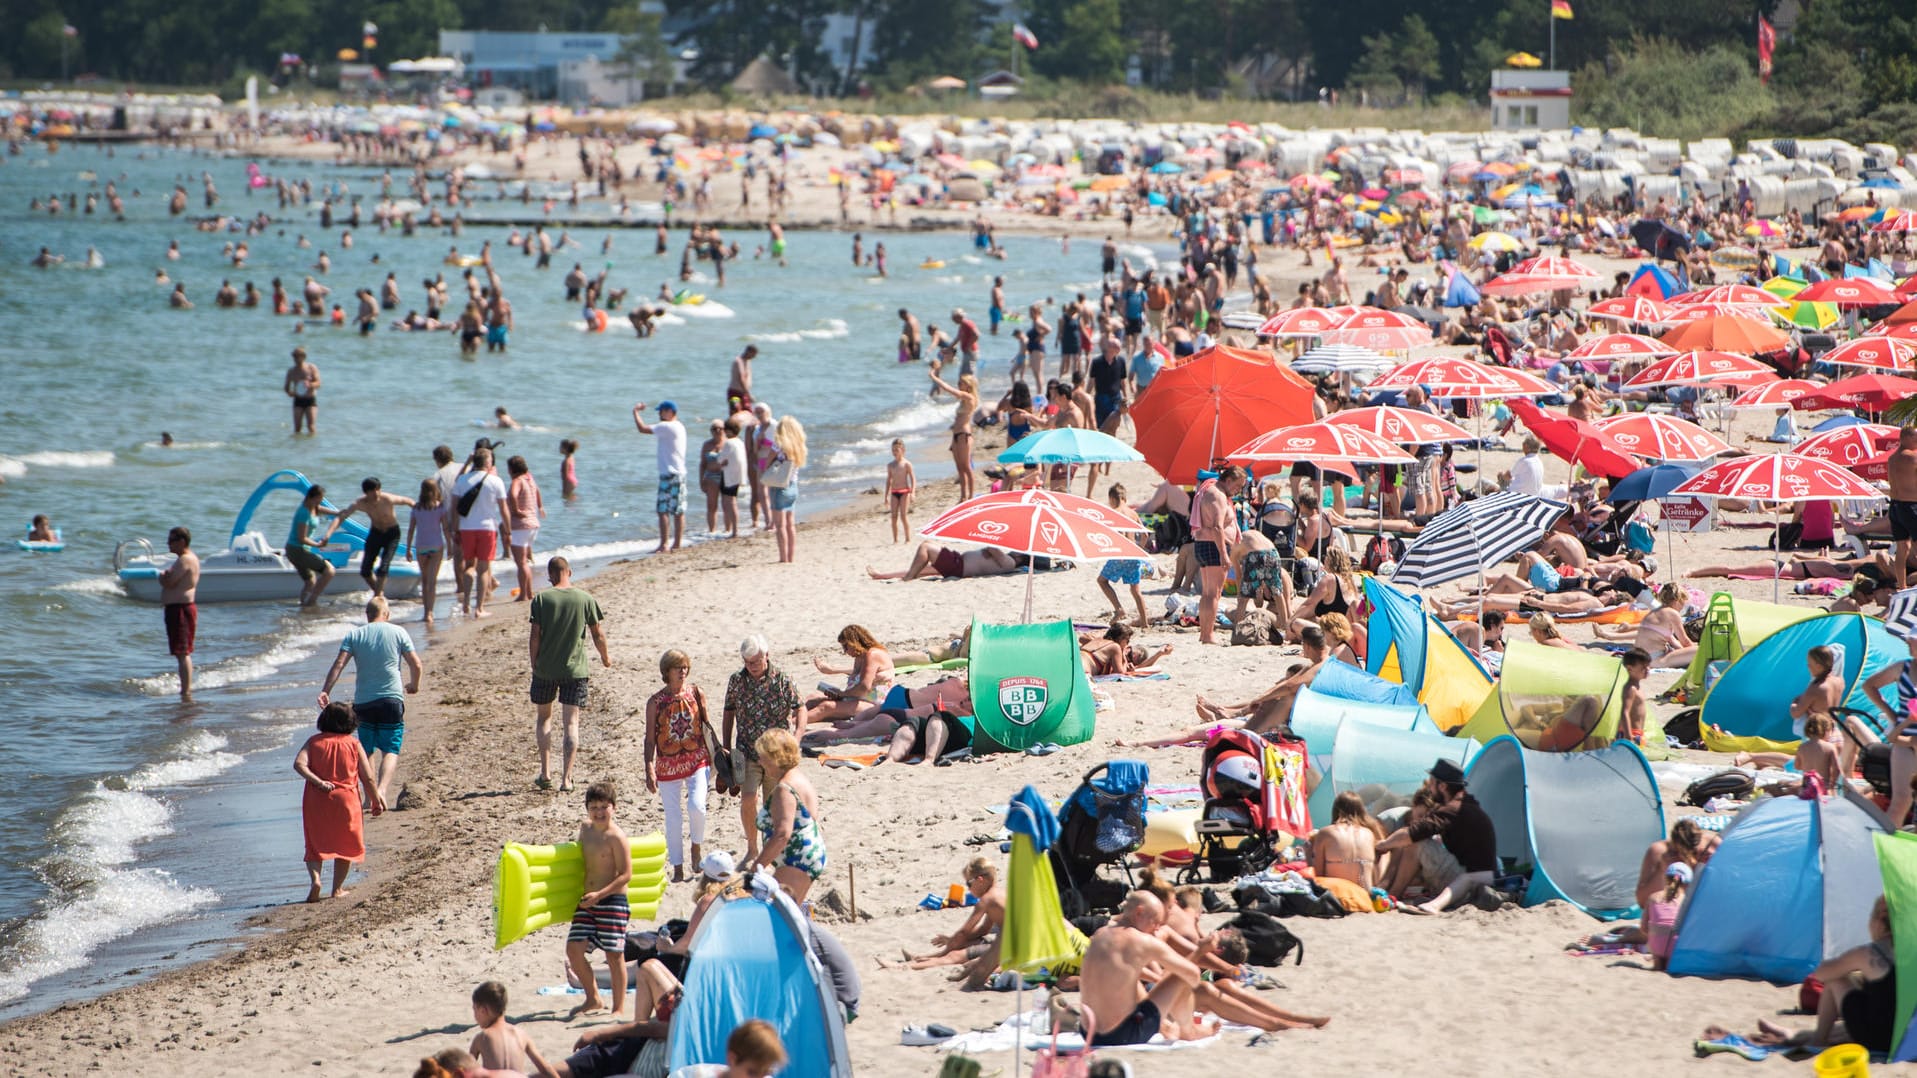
471,498
1639,537
778,473
1683,726
1732,784
1267,940
1051,1062
724,778
1381,549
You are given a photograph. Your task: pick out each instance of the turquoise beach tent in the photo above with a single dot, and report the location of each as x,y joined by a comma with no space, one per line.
1791,885
1382,765
1346,682
756,961
1028,686
1408,646
1580,819
1752,697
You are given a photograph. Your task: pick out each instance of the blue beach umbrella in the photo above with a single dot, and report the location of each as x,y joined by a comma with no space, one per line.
1067,445
1653,482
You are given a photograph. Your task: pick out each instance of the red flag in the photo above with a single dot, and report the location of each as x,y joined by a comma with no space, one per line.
1766,44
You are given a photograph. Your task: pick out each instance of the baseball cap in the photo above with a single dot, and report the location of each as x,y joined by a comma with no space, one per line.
667,406
1678,871
717,866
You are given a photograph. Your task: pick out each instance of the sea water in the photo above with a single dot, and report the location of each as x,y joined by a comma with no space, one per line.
138,832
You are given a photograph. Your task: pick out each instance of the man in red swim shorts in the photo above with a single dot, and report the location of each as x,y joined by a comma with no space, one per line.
177,584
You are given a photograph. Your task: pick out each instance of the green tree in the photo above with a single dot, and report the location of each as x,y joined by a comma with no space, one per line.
1661,88
1090,47
1376,72
1416,54
918,39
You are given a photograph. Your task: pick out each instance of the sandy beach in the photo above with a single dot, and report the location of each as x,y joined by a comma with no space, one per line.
370,983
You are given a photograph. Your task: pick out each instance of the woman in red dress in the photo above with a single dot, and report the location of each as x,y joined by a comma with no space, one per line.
333,763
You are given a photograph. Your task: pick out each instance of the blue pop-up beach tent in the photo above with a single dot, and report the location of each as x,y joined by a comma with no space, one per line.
1752,698
1791,885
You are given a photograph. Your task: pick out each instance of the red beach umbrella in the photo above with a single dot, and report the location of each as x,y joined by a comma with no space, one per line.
1641,309
1877,353
1871,392
1319,442
1383,331
1736,295
1622,347
1861,447
1847,292
1299,322
1576,440
1662,437
1451,376
1400,426
1041,523
1779,394
1703,368
1776,477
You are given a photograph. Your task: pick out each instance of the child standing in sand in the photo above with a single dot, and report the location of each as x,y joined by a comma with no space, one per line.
499,1045
676,761
333,763
603,912
901,483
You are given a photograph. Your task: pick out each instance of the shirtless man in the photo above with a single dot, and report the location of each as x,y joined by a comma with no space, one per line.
382,531
302,383
1903,499
739,385
1214,531
603,910
975,944
177,584
909,332
1116,962
932,560
893,712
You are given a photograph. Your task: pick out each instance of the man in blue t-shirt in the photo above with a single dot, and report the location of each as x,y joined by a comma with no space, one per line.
1134,313
377,649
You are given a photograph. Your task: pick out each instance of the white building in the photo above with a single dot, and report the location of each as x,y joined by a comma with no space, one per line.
1530,99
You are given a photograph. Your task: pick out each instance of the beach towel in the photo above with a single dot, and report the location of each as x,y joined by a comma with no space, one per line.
844,759
1026,1027
1621,614
949,664
1136,675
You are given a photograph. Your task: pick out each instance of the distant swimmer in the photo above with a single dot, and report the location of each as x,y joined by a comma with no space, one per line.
173,250
177,588
302,384
777,232
178,299
42,530
166,439
504,421
47,258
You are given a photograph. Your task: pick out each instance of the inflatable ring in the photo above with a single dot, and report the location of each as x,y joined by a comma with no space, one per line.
536,887
931,263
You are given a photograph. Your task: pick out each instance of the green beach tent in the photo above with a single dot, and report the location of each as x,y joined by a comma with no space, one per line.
1732,627
1897,860
1540,699
1028,686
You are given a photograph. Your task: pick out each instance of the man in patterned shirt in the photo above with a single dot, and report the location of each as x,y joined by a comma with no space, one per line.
758,698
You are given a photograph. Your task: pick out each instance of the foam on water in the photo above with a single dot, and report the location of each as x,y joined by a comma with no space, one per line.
254,667
83,459
201,756
591,551
842,458
828,329
91,585
11,468
921,415
118,905
711,308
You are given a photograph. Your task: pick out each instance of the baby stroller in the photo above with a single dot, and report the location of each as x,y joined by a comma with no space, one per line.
1102,823
1239,829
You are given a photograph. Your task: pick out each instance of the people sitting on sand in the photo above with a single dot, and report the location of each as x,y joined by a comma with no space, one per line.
1269,711
1118,960
1341,642
868,677
933,560
1442,818
1345,851
1661,634
1112,654
1221,954
1825,694
1819,754
1484,635
498,1044
1338,592
1689,846
975,945
626,1047
1860,990
902,706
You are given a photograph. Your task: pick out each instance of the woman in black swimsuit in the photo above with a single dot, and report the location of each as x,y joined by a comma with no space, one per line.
1338,592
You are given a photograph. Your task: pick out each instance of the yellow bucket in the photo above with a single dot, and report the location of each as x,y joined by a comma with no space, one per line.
1842,1061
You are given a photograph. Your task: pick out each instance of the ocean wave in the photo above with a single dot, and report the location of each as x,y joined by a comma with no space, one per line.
711,308
102,829
829,329
99,458
669,319
186,445
954,278
594,551
842,458
300,645
11,469
116,905
921,415
201,756
91,585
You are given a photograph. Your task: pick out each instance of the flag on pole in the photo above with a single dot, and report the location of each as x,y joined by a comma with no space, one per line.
1766,44
1561,9
70,30
369,36
1024,36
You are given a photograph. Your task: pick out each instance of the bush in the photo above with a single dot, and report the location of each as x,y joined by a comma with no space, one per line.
1662,89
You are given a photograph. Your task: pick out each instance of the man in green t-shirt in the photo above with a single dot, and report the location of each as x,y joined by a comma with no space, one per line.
562,615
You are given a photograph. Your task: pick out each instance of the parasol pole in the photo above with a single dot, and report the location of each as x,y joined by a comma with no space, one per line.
1031,575
1777,551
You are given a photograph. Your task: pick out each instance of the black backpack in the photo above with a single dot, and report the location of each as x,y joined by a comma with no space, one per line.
1734,784
1267,940
1685,727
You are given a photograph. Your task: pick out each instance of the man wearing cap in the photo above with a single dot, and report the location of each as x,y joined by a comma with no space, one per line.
671,501
967,342
1444,811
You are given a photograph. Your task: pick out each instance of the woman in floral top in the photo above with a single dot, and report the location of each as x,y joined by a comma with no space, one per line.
676,761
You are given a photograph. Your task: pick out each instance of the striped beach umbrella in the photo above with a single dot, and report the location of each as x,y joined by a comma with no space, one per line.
1467,539
1341,359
